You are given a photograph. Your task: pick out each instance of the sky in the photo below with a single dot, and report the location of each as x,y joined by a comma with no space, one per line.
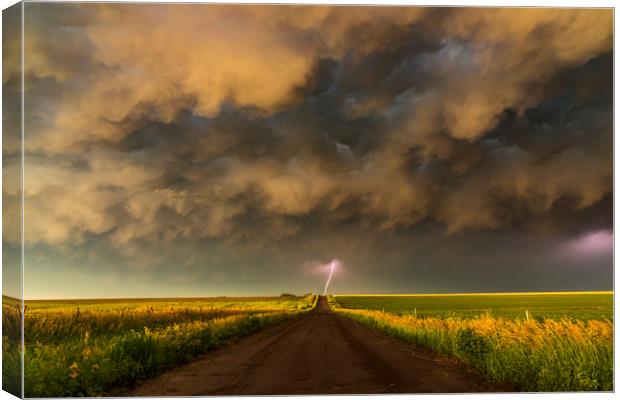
198,150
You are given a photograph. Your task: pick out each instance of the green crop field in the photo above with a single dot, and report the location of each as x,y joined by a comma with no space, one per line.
204,303
572,305
99,347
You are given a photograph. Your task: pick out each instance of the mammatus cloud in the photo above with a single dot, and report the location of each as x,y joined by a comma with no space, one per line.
168,123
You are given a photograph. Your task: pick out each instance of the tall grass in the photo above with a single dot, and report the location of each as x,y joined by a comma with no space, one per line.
96,366
56,327
102,348
552,355
11,356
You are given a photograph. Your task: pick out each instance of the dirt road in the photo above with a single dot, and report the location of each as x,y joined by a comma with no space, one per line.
320,353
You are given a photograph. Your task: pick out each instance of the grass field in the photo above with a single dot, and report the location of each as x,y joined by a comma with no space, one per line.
11,338
229,303
102,347
566,344
98,347
573,305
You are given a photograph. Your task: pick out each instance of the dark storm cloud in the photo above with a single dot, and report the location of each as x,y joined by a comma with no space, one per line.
258,125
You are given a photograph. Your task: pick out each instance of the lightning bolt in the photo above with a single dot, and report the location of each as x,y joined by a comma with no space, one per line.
329,278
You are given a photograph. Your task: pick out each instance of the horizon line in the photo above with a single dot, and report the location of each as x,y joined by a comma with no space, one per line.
474,293
236,296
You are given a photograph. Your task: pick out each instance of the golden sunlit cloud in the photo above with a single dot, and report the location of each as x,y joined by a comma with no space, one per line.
253,126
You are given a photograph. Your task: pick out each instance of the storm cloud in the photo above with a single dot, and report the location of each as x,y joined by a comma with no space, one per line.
251,128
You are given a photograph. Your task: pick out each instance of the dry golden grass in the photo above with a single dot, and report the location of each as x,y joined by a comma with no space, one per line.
552,355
